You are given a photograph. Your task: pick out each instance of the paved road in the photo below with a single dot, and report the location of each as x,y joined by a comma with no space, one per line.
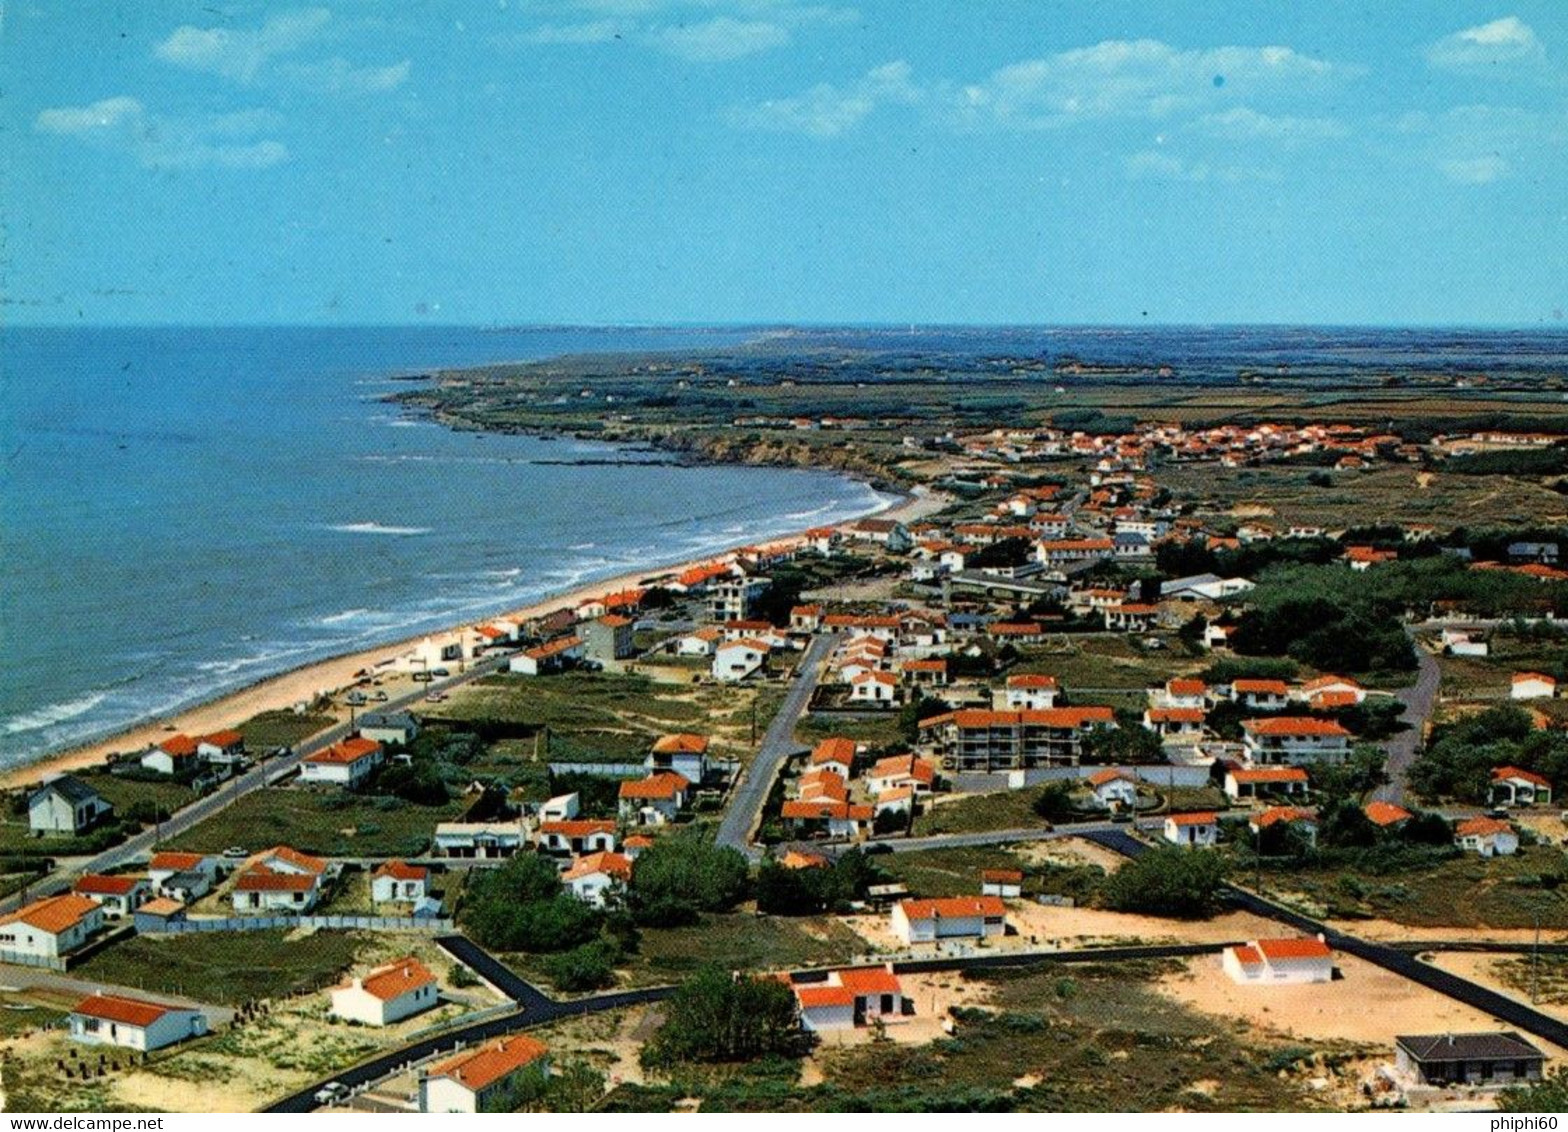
494,972
777,744
230,792
1419,700
25,978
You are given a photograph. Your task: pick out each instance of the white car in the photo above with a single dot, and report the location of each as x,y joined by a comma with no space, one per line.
330,1092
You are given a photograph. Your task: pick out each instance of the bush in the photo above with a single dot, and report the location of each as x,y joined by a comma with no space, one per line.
1184,883
684,875
716,1017
589,966
522,907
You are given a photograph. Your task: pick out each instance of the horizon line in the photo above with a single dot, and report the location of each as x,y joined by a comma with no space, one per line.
494,326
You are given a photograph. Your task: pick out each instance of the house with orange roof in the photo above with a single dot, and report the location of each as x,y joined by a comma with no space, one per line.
822,782
592,878
635,845
1260,695
850,997
834,753
734,661
222,747
1113,788
1533,686
836,818
873,687
1030,691
926,671
1331,691
1303,821
1260,781
898,771
1280,962
1489,837
1294,739
956,917
1386,815
1512,786
389,993
280,879
44,932
684,753
175,755
117,894
1176,725
1193,831
398,882
972,739
655,800
184,876
575,836
348,763
701,642
1182,692
805,618
552,656
495,1076
795,859
1006,883
132,1023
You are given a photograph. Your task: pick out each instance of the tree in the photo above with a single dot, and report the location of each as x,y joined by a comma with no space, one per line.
1054,802
589,966
1183,883
573,1087
522,907
683,876
919,707
784,891
1344,825
1129,742
1550,1094
716,1017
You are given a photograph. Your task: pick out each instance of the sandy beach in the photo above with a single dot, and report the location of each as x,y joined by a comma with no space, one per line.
330,676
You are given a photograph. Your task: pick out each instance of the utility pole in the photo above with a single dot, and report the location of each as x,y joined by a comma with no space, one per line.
1535,956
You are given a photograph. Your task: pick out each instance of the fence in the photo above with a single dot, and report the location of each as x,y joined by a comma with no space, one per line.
288,923
600,770
1192,776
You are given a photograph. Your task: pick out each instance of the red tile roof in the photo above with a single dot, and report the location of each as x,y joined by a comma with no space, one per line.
1303,948
1031,680
54,914
656,786
580,827
125,1011
1385,813
401,870
100,885
492,1061
954,908
1268,774
1293,726
1482,827
224,739
611,864
395,979
178,745
1527,775
346,752
869,980
682,743
834,750
1202,818
175,862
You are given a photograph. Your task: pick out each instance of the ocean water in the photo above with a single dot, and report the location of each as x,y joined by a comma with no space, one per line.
184,512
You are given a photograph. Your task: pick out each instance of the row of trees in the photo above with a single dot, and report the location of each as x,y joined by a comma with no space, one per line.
1458,763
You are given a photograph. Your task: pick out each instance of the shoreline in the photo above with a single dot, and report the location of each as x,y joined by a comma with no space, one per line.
335,673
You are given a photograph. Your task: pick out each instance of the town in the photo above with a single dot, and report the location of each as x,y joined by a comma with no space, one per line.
1070,735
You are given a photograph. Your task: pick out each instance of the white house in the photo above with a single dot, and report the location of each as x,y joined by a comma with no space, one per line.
388,994
733,661
836,754
184,876
874,687
957,917
133,1023
1030,692
118,895
1533,686
388,727
1290,739
851,997
224,748
348,763
897,771
563,807
1114,788
1512,786
548,657
594,877
1192,830
1487,836
280,880
175,755
1182,692
1278,961
1006,883
684,753
1253,782
397,882
493,1077
50,928
482,840
576,837
655,800
65,806
1261,695
1332,690
701,643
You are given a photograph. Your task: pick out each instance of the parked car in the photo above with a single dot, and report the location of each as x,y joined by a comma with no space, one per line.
236,853
331,1091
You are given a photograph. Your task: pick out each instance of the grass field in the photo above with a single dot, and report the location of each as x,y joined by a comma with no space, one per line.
946,872
876,731
1105,661
227,968
272,729
329,824
978,813
124,792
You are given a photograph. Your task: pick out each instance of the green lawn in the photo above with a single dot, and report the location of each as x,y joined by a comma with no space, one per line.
333,824
1104,661
946,872
979,813
168,796
273,729
228,968
876,731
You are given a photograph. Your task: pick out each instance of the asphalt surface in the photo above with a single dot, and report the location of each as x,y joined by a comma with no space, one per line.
1403,749
494,972
778,743
257,778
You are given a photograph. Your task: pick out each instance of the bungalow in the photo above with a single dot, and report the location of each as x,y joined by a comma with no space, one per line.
65,807
563,807
655,800
957,917
171,756
700,643
1277,961
1183,692
118,895
635,845
1175,724
1260,695
836,754
280,879
348,763
898,800
132,1023
1487,836
835,817
1331,691
1131,616
1006,883
479,840
850,997
388,994
1481,1059
49,929
1031,692
493,1077
897,771
1016,632
1113,789
389,727
1533,686
684,753
930,672
397,882
1514,787
184,876
591,878
1386,815
888,533
1288,739
805,618
222,747
874,687
552,656
1255,782
1304,822
576,837
734,661
1192,830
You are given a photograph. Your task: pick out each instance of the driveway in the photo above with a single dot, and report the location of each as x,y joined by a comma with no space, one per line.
777,745
1419,699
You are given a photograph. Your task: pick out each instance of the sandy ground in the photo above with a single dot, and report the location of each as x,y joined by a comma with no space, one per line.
1388,932
1069,851
1481,968
325,677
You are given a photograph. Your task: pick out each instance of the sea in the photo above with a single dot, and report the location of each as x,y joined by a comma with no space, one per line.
184,512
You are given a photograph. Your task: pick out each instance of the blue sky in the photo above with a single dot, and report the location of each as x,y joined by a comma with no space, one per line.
602,161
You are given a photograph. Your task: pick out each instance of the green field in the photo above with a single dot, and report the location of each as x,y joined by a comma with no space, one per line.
980,813
227,968
273,729
331,824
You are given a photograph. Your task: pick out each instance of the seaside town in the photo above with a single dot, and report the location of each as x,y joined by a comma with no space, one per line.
1069,781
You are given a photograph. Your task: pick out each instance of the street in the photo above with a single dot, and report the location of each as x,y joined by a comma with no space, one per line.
1419,700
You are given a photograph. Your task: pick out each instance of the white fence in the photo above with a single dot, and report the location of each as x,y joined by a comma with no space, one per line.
288,923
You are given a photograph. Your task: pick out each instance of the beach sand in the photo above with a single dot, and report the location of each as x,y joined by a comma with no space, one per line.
282,692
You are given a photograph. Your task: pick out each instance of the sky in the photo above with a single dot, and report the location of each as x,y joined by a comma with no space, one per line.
784,161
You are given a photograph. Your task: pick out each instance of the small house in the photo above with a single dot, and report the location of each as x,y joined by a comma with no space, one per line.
493,1077
481,841
957,917
576,837
176,755
734,661
348,763
1192,831
655,800
1489,837
1113,789
49,929
397,882
1258,781
132,1023
850,997
1479,1059
388,994
65,807
1533,686
1006,883
1512,786
684,753
592,878
1279,961
389,727
117,895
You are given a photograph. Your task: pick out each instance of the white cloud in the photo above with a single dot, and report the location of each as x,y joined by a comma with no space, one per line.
1502,42
1133,78
1477,145
719,39
826,111
338,76
1475,170
123,125
1242,123
241,54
